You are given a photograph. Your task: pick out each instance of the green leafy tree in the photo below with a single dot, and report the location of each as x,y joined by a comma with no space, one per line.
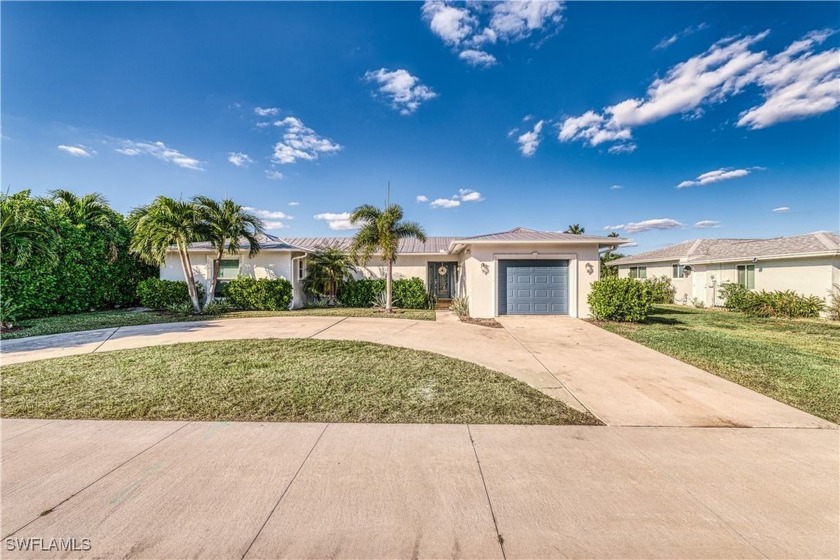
90,210
225,225
327,270
381,232
575,229
158,226
608,256
26,229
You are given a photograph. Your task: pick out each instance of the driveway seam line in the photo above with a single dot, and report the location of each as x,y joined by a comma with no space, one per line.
551,373
27,431
285,490
328,327
690,493
413,324
73,495
499,537
106,340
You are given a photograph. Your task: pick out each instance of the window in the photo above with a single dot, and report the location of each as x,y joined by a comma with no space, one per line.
677,271
746,276
228,270
301,269
638,272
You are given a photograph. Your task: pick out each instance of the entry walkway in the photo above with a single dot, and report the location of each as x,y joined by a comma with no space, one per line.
621,382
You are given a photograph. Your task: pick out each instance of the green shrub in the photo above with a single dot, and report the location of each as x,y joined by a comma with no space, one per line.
8,314
360,293
620,299
407,293
785,303
410,293
261,295
460,306
660,288
733,295
698,303
155,293
217,307
380,301
834,306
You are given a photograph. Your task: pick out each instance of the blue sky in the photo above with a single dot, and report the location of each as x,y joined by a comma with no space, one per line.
663,121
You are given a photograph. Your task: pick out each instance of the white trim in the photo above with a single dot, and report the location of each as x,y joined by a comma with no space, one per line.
573,275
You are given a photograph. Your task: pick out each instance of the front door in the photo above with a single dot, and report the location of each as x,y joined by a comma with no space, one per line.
440,279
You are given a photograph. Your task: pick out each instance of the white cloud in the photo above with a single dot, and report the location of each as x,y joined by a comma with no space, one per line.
716,176
294,203
405,92
628,148
796,83
707,224
160,151
527,118
272,219
77,150
274,175
239,159
267,111
646,225
337,221
422,198
668,41
477,58
616,187
300,142
473,26
530,141
469,195
445,203
781,209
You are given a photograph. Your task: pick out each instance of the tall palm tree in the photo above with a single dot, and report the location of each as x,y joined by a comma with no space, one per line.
26,229
158,226
224,225
327,269
575,229
381,231
91,209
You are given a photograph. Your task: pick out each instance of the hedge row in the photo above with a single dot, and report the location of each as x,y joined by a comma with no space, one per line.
408,293
785,303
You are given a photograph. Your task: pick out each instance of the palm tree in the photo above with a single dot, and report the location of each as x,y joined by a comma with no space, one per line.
381,231
223,224
608,256
26,229
158,226
575,229
91,209
328,268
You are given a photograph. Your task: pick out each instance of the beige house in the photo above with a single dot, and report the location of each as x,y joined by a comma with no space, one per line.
807,264
521,271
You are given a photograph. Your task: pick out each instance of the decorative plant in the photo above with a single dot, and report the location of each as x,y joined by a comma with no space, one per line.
381,301
460,306
8,314
327,270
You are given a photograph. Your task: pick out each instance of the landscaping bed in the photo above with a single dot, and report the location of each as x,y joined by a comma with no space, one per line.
275,380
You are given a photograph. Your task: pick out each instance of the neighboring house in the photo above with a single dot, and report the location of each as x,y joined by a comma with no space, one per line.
521,271
807,264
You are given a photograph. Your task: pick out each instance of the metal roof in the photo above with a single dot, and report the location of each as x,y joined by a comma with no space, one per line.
525,234
433,244
713,250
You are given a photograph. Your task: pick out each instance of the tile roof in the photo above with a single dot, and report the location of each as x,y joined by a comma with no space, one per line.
712,250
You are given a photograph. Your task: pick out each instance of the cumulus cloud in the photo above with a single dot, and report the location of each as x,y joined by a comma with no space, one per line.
646,225
707,224
160,151
796,83
422,198
274,175
470,28
239,159
530,141
781,209
337,221
404,92
464,195
267,111
469,195
77,150
723,174
300,142
445,203
272,219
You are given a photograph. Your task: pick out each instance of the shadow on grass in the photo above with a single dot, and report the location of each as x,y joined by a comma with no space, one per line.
662,321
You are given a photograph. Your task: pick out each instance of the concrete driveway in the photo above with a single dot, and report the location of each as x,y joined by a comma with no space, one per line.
251,490
619,381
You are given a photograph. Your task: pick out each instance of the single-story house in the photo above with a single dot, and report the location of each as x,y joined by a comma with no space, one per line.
521,271
807,264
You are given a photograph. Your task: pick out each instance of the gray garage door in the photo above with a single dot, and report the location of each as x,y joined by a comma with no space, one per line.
534,287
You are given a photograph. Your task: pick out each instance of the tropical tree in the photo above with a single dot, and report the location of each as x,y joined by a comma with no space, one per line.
26,229
327,269
575,229
608,256
158,226
91,210
225,225
381,231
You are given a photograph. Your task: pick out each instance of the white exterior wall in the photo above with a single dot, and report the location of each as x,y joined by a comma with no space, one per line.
407,266
683,287
482,286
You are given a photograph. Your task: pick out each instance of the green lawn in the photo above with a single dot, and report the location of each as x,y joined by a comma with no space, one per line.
124,318
275,380
796,361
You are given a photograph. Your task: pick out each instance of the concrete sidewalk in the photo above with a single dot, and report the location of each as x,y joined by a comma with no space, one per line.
250,490
621,382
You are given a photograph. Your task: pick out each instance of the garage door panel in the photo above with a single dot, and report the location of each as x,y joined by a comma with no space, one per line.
533,287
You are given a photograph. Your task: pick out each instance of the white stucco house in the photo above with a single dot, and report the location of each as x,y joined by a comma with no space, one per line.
807,264
521,271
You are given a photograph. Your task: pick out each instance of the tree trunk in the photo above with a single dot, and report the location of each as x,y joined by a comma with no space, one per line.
214,279
188,276
388,307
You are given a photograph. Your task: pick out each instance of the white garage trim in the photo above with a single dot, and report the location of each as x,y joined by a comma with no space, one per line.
537,256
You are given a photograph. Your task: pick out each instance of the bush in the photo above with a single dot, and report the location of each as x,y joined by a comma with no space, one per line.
261,295
785,303
834,306
410,293
460,306
407,293
660,288
620,299
360,293
733,295
8,314
217,307
165,294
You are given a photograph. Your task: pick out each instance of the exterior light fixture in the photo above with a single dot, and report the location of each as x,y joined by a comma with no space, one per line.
589,268
484,268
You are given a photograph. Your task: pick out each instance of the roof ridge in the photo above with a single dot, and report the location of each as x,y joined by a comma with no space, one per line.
694,247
